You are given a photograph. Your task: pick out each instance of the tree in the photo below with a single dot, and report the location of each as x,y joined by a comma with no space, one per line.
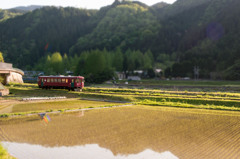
80,68
94,65
150,55
1,57
57,63
65,62
147,62
118,60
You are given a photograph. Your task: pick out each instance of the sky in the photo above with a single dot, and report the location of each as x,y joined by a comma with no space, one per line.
87,4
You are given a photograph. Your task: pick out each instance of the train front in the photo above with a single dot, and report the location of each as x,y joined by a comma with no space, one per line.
80,82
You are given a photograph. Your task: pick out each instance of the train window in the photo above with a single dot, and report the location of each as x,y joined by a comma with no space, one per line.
48,80
59,80
55,80
52,80
66,80
77,81
45,80
63,80
72,80
42,79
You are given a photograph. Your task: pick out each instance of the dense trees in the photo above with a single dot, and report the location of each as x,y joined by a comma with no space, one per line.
97,65
35,34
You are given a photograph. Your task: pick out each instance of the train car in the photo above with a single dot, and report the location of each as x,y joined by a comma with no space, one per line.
61,82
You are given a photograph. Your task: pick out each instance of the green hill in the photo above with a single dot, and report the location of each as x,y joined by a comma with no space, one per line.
27,38
188,33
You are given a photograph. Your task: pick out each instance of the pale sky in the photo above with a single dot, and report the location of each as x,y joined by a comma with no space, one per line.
88,4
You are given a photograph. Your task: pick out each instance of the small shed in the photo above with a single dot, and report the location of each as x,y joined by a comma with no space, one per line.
3,90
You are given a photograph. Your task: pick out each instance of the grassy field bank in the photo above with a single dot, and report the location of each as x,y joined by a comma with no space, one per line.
201,100
185,83
4,154
188,99
187,133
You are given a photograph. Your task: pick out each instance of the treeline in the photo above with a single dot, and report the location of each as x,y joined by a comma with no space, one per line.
98,65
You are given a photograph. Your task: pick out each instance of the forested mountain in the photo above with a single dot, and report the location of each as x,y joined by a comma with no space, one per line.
125,25
210,41
176,38
27,38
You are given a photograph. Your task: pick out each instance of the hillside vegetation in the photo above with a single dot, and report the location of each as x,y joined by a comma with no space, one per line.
188,33
6,14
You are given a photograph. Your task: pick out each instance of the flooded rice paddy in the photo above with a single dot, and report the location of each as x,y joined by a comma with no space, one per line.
127,132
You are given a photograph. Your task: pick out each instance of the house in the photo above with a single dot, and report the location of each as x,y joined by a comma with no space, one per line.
121,75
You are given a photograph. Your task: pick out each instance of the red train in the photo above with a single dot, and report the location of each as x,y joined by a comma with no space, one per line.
64,82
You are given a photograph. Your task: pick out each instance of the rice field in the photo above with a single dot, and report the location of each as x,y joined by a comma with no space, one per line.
187,133
199,100
160,120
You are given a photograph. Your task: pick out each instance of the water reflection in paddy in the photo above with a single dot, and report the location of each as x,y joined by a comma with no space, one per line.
27,151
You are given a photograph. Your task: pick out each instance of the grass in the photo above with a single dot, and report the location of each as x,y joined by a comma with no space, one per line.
56,105
4,154
111,97
200,100
31,90
186,105
186,133
186,83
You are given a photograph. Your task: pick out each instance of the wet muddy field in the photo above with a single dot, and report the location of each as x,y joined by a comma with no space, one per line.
184,133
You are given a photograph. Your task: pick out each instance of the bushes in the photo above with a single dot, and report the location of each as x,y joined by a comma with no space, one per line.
233,72
4,115
194,101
